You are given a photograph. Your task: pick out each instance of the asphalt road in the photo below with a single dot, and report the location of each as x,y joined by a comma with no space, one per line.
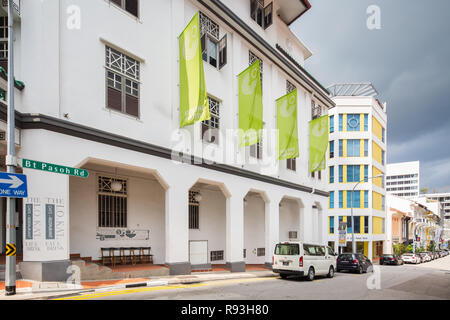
430,281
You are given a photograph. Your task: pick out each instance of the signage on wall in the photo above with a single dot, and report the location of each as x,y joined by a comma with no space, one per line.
342,234
45,228
54,168
114,234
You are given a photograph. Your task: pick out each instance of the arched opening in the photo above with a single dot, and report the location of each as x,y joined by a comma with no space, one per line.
207,225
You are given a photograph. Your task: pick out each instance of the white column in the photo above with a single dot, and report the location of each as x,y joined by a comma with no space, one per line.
370,250
235,231
308,224
272,230
46,217
177,228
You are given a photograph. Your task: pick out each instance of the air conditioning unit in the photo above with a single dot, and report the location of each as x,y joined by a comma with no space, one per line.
292,234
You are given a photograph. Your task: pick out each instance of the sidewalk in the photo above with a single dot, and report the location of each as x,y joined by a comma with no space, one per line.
33,290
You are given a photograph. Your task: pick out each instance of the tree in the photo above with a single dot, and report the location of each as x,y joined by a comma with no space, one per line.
424,190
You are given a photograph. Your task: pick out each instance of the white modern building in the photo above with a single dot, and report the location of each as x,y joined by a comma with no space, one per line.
357,155
403,179
101,93
444,199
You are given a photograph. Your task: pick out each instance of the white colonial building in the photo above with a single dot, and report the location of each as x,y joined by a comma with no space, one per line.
101,93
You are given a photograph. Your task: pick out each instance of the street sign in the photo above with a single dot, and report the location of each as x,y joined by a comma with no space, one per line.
54,168
13,185
342,234
11,250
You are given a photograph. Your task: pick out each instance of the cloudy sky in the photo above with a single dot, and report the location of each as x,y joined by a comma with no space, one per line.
407,60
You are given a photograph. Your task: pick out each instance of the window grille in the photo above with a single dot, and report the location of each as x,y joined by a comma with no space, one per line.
207,26
194,209
316,110
251,60
210,127
112,205
217,255
292,234
261,252
122,63
290,87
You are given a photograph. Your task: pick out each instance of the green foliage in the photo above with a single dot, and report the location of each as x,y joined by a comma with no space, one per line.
431,247
399,249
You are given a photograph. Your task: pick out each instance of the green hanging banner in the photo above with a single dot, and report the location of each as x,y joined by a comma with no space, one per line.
193,96
318,143
287,124
250,106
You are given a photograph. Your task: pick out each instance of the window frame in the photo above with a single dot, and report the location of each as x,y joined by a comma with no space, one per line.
194,214
122,72
103,193
210,33
123,6
212,126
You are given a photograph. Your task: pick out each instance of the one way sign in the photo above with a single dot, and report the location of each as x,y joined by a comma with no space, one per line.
13,185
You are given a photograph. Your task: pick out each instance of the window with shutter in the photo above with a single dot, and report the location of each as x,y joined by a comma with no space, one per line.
122,82
214,51
262,15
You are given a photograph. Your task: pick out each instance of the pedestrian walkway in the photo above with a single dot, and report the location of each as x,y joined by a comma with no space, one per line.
28,290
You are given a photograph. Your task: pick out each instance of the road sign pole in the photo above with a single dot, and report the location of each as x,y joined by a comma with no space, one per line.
10,274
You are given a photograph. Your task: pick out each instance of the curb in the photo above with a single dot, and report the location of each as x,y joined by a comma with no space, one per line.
58,293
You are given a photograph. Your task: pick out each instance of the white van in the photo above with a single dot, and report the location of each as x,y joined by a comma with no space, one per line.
302,259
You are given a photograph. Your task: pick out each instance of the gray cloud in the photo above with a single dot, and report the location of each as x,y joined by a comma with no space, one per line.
407,61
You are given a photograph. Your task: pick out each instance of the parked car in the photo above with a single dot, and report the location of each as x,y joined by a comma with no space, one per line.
391,259
354,262
425,256
411,258
303,259
430,254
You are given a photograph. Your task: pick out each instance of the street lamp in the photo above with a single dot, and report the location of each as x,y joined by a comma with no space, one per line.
351,207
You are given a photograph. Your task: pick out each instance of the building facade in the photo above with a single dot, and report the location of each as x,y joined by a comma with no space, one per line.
357,154
403,179
103,95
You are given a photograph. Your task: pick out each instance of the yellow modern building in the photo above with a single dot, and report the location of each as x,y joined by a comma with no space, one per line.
357,154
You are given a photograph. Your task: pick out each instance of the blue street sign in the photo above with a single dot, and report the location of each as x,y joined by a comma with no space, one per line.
13,185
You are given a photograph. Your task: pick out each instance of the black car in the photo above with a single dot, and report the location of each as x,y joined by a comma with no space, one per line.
353,262
390,259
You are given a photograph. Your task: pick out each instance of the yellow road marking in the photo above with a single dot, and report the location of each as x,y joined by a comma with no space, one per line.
140,290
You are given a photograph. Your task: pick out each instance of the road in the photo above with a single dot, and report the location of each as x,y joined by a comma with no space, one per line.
430,281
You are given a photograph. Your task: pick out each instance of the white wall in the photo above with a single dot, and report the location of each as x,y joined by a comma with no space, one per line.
145,212
289,219
74,82
254,229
